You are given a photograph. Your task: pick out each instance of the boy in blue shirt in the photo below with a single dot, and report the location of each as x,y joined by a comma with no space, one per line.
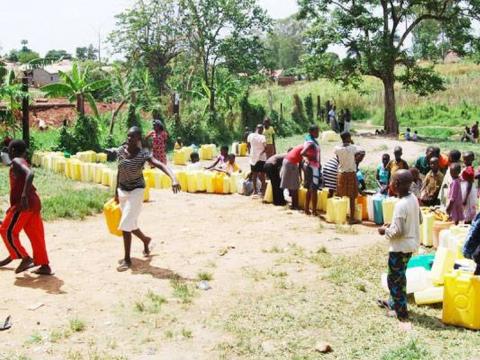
383,174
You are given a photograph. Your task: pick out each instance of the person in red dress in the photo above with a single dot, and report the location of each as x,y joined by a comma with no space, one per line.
24,214
159,144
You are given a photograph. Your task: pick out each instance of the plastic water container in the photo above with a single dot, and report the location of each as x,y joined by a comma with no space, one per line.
443,264
85,172
302,198
388,206
101,157
457,239
337,209
167,182
99,174
149,176
268,198
106,177
418,279
461,301
205,153
218,183
226,184
236,148
438,227
242,149
192,182
330,136
444,238
378,210
180,157
322,199
427,229
200,181
425,261
182,180
370,209
113,215
430,296
234,178
76,170
146,194
363,201
209,182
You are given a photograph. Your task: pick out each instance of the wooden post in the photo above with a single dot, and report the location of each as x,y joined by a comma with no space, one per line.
319,107
281,111
25,113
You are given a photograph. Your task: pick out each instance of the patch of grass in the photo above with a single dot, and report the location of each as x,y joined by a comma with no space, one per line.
169,334
152,303
76,325
255,274
413,350
273,250
183,291
345,229
35,338
57,335
187,334
62,198
277,274
204,276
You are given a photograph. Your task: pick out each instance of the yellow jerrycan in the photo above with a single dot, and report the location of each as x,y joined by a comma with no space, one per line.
388,207
218,183
209,182
268,198
242,149
322,199
427,229
101,157
146,194
461,301
182,180
192,182
149,176
302,198
226,184
442,265
113,215
200,176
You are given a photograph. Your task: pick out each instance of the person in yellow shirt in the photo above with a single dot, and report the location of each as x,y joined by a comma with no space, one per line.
230,166
178,144
269,133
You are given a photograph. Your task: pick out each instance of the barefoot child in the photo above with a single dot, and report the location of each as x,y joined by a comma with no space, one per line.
404,237
311,169
24,214
130,189
347,184
454,156
469,190
416,186
455,201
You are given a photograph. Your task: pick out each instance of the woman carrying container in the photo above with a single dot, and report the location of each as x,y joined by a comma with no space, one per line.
130,188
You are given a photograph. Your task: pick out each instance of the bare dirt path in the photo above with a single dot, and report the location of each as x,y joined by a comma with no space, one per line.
192,232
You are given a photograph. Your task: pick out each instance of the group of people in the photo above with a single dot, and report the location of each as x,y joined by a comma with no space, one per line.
471,134
341,122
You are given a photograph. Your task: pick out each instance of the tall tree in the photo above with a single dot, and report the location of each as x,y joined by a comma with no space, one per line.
56,55
375,32
150,33
217,26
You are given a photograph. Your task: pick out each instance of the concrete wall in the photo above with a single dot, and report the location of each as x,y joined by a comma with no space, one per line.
41,78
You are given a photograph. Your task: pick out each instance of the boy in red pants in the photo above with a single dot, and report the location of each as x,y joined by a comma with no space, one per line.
23,214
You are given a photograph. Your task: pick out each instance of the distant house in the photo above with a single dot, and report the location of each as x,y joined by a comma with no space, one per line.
48,74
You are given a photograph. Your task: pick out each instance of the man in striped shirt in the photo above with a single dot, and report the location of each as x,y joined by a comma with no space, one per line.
330,172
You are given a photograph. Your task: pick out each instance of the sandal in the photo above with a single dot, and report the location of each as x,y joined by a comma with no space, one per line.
5,261
151,246
384,304
26,264
124,266
7,324
44,270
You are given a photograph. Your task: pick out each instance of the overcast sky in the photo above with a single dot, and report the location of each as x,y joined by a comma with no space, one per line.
67,24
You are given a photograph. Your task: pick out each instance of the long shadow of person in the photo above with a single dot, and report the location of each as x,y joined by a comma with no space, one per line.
49,284
144,267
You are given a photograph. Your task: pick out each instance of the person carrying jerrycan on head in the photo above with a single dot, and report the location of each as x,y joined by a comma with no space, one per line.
404,237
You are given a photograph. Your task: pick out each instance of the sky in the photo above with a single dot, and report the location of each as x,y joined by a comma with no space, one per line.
67,24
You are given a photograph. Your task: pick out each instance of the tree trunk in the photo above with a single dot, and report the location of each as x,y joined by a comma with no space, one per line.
212,91
80,104
390,117
115,114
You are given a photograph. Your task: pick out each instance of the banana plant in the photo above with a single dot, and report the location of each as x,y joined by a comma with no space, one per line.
76,87
11,95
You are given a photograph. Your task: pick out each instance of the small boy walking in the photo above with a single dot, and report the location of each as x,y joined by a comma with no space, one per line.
347,183
23,214
404,237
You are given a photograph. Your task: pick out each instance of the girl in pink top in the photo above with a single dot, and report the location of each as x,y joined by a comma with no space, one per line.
455,198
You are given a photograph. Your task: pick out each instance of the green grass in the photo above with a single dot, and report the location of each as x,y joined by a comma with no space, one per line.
182,291
152,304
76,325
62,198
204,276
338,307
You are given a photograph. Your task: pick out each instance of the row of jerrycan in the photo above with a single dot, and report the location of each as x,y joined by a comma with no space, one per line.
380,209
182,156
207,152
240,149
196,181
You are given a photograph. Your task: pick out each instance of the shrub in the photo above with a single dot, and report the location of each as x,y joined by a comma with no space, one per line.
298,113
85,135
251,114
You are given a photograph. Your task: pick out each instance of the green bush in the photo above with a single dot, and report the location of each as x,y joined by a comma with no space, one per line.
298,113
251,114
309,108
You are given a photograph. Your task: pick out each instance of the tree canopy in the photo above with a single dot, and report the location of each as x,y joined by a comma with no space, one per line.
375,35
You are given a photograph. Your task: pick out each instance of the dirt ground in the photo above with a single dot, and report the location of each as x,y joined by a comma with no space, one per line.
192,232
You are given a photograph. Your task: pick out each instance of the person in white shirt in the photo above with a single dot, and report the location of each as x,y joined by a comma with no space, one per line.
347,183
257,145
404,237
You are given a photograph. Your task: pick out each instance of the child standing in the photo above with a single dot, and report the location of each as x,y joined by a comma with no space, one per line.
269,132
24,214
404,237
347,184
311,169
454,156
431,184
159,141
455,200
396,164
469,190
383,174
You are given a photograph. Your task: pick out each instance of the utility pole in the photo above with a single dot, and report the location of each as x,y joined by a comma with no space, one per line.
25,113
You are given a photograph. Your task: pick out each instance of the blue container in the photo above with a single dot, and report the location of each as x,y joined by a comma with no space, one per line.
425,261
378,210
